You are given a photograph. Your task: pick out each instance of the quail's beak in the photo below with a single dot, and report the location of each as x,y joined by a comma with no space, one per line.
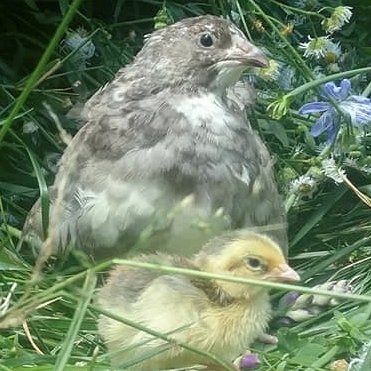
247,53
257,58
283,273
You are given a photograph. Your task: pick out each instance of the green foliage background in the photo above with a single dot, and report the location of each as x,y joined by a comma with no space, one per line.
53,320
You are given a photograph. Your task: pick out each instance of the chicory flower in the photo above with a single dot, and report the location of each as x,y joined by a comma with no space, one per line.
356,106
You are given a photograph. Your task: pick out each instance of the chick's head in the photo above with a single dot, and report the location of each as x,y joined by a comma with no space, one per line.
249,255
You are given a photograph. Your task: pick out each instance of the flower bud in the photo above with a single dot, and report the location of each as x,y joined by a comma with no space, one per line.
249,362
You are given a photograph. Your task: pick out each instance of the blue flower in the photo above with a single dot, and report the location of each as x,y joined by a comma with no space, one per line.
356,106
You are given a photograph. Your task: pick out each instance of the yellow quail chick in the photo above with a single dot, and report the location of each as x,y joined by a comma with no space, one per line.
212,315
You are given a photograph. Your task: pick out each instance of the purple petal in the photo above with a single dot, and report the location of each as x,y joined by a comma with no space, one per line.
331,134
329,89
314,107
249,362
324,123
345,87
359,99
360,113
288,300
337,92
317,129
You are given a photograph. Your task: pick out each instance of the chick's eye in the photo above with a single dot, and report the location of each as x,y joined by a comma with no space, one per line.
206,40
254,263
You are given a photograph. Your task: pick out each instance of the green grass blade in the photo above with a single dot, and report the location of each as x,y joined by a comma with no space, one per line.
83,302
319,213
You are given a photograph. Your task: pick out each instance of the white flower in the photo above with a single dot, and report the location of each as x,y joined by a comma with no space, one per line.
320,47
333,52
350,161
271,72
366,169
304,186
300,3
81,364
333,68
79,41
286,78
29,127
299,20
331,170
236,18
314,47
338,19
76,41
357,363
318,72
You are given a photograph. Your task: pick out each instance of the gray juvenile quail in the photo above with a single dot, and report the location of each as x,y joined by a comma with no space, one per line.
167,157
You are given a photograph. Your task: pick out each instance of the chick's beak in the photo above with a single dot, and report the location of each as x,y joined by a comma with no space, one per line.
283,273
248,53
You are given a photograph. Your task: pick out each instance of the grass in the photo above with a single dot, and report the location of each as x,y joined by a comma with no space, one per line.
49,321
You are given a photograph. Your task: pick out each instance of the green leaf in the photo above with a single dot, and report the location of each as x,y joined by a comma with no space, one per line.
277,129
288,340
282,366
9,261
308,354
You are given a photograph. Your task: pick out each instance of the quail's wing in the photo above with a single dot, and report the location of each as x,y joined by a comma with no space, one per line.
113,183
258,205
261,208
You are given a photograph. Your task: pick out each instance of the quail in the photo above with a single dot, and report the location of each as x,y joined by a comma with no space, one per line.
211,315
166,156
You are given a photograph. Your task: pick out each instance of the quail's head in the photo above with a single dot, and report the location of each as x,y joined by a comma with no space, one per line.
245,254
203,51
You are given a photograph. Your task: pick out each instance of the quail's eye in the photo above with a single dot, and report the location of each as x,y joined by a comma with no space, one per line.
254,263
206,40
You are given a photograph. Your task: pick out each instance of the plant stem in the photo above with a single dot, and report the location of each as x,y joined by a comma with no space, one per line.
243,20
224,277
367,91
298,10
312,84
325,359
